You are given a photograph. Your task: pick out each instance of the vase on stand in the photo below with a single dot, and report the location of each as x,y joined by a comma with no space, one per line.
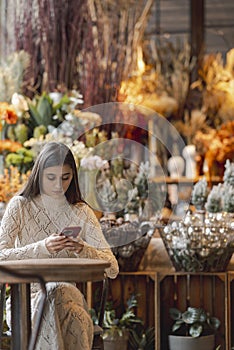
175,167
189,154
87,180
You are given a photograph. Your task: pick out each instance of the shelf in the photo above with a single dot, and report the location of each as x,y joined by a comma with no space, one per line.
158,291
183,180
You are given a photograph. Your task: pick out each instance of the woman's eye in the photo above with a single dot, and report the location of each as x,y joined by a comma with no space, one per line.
50,177
65,178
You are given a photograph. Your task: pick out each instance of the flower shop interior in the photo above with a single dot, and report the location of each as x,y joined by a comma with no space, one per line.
142,92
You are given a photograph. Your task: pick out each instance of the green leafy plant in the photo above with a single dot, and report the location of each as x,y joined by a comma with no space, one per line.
142,339
114,325
193,322
43,111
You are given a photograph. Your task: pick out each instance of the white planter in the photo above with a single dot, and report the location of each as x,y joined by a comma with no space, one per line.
177,342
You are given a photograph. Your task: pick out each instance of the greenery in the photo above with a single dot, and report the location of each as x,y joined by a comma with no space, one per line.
23,159
114,325
199,194
193,322
141,339
126,189
228,198
214,200
228,177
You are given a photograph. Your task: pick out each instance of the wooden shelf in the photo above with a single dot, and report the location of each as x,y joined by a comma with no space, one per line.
183,180
180,290
158,291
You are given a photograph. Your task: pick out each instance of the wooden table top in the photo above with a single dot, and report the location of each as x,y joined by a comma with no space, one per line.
55,270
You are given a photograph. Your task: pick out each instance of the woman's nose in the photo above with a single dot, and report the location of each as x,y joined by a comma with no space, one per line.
58,183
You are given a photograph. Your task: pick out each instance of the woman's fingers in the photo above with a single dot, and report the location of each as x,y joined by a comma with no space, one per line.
75,245
55,243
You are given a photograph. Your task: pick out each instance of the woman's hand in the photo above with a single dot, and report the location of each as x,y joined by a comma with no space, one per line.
75,245
55,243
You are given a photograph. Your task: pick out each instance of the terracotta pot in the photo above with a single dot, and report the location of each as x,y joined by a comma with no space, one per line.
177,342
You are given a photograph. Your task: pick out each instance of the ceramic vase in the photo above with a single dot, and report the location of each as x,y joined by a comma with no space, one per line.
177,342
189,154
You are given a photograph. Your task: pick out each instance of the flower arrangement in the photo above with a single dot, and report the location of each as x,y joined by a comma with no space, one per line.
204,242
220,197
216,85
126,189
10,183
23,159
9,146
93,163
8,116
194,247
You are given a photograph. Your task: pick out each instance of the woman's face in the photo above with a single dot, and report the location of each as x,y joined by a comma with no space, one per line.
56,180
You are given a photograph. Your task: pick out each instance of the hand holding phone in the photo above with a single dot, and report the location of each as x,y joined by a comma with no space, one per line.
71,231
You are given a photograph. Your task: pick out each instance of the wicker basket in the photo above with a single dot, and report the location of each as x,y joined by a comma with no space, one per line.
129,242
198,260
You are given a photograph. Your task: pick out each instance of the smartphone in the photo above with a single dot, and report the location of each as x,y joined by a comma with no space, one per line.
72,231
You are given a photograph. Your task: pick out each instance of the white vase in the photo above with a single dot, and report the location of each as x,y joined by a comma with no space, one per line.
189,154
175,167
177,342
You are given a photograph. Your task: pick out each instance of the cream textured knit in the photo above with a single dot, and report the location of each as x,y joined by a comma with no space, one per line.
25,226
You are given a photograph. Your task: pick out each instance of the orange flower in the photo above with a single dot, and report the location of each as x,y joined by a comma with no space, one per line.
7,113
10,146
3,107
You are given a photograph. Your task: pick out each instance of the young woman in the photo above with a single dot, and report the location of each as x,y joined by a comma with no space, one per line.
31,228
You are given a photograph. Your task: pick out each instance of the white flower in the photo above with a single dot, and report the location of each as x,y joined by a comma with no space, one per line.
19,103
89,117
93,162
179,243
55,97
79,150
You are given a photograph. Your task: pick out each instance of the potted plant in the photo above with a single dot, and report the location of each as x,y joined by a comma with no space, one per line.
142,338
116,329
193,329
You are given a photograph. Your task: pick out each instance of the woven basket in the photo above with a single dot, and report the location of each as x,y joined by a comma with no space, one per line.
193,260
128,242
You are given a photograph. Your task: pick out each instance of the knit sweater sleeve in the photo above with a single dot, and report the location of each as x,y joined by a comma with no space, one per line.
10,231
96,246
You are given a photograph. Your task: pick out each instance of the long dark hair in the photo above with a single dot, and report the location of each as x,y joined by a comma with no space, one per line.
52,154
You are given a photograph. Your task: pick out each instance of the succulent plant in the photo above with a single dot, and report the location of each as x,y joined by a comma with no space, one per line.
193,322
228,177
199,194
228,198
214,200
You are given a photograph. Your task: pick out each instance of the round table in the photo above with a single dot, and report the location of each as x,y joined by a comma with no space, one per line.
20,273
